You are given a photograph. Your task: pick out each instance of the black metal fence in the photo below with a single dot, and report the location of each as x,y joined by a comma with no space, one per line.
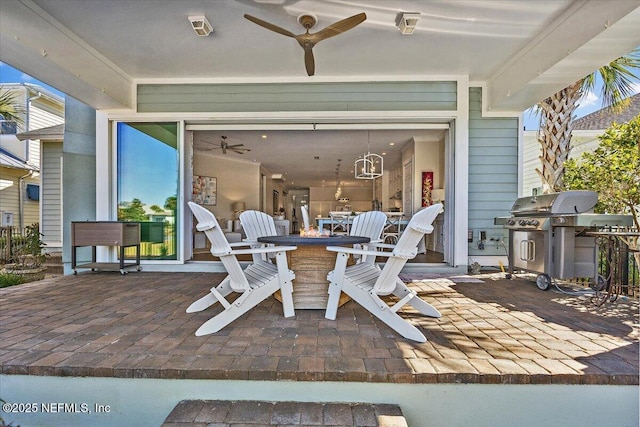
618,264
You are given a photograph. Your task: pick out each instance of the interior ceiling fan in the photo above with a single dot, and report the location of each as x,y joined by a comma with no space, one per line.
224,146
309,40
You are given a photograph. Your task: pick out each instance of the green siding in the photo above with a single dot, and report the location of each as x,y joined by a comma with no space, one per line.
357,96
493,172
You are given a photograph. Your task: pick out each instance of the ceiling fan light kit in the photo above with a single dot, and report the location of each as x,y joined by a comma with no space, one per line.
407,22
224,146
200,25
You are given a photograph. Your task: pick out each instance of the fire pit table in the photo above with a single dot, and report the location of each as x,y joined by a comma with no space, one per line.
311,263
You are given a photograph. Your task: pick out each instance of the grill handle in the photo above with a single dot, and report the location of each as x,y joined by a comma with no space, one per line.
527,250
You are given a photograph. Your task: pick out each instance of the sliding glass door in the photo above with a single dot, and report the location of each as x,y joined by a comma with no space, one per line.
148,185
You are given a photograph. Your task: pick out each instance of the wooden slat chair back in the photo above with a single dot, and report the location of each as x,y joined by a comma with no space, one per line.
305,218
257,224
368,224
365,283
406,248
255,283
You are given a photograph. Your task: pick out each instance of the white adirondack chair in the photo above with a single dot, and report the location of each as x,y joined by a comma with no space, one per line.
256,283
258,224
365,283
305,218
368,224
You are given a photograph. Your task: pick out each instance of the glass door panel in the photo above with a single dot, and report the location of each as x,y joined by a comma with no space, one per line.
147,177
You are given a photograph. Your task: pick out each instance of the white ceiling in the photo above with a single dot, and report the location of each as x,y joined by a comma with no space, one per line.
316,158
521,51
518,51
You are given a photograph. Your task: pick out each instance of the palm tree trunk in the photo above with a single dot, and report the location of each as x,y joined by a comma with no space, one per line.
554,136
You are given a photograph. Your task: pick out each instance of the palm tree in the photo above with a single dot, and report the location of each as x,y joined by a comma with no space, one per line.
10,108
556,114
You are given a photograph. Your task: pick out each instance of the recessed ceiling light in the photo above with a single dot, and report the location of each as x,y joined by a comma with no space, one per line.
200,25
264,136
392,143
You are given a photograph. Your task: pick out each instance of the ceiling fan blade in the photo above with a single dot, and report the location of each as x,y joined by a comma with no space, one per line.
235,146
340,27
269,26
309,62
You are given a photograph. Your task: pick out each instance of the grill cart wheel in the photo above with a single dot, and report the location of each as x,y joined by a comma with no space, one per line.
543,282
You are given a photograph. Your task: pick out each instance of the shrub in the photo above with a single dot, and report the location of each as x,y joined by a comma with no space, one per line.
10,279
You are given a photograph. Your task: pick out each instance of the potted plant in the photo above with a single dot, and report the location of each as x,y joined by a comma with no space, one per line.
28,256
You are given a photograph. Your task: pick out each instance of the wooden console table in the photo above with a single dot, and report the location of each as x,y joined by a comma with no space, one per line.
105,233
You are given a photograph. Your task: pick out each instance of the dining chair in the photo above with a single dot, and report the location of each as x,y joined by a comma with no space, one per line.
393,227
368,224
255,283
367,283
305,218
340,222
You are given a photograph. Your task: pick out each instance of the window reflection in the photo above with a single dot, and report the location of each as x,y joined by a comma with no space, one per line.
148,185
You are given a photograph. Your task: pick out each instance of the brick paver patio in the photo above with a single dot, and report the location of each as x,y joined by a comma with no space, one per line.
492,330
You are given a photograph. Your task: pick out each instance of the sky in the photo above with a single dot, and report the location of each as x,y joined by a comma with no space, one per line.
8,74
589,103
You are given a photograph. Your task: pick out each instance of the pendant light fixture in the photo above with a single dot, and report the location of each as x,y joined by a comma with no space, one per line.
369,165
338,194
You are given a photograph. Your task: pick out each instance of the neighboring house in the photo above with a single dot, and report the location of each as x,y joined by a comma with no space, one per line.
21,162
19,206
586,131
50,183
161,215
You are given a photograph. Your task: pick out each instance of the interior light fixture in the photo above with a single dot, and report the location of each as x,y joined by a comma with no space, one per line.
369,165
200,25
238,208
338,194
407,22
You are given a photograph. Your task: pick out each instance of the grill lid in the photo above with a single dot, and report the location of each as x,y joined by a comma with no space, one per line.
563,203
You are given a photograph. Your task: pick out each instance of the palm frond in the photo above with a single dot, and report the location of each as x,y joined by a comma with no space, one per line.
618,80
10,108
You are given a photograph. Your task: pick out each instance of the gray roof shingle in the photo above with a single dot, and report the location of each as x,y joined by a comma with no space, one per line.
604,118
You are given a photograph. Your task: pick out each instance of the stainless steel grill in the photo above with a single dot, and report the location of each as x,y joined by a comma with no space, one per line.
547,235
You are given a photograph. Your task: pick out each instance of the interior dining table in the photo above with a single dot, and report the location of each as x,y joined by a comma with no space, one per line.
311,263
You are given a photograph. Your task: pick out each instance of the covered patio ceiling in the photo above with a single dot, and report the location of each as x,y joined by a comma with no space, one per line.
519,51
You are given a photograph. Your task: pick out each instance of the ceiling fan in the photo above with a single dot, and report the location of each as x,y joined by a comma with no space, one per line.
309,40
224,146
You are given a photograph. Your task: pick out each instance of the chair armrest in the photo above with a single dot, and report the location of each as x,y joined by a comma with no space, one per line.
263,250
354,251
240,244
376,244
